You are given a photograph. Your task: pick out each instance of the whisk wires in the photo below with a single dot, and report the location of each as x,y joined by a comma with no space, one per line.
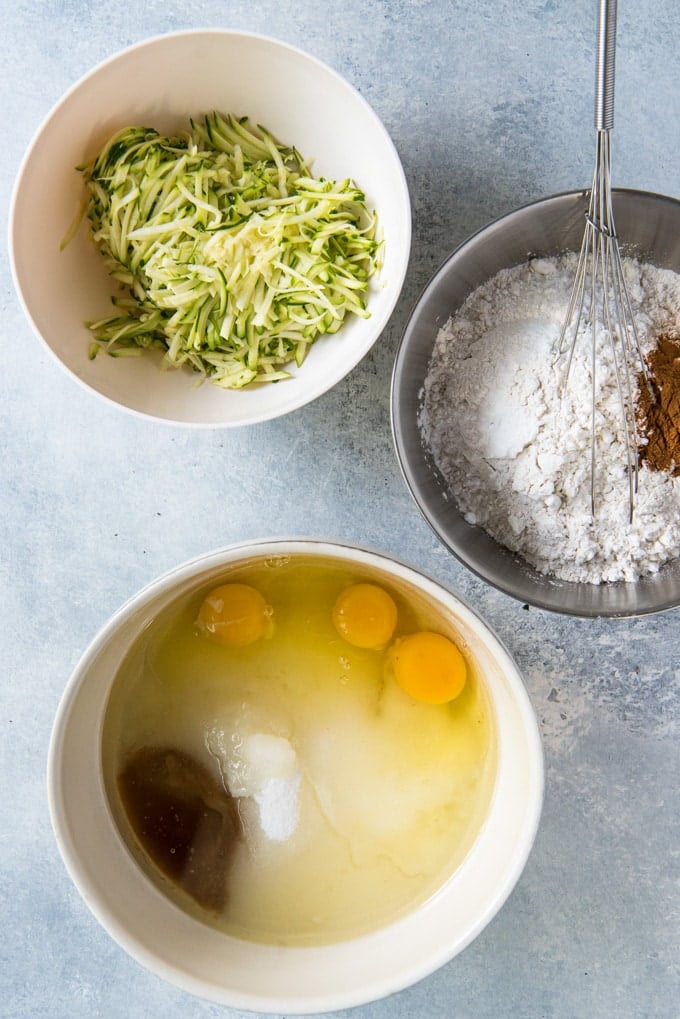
599,297
600,301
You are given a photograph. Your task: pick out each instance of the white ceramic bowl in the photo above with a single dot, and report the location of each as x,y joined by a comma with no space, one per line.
263,978
161,83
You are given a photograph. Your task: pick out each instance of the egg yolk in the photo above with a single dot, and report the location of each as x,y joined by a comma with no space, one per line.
429,667
234,614
365,616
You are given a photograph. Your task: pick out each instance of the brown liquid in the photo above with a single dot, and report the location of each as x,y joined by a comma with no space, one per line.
184,820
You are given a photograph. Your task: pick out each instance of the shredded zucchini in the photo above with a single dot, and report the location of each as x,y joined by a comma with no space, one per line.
231,256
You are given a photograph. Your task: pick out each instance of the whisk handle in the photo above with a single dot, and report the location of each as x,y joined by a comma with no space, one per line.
606,60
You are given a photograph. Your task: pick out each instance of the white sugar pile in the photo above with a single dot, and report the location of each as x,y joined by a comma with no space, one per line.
513,444
263,768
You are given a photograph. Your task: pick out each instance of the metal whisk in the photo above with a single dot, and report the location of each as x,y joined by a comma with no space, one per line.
599,274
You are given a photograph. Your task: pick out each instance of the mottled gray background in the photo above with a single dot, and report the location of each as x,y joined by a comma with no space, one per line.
490,105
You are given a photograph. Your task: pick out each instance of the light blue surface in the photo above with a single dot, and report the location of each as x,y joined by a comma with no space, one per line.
490,105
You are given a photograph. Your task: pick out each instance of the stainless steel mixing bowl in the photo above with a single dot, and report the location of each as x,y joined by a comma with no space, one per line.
649,228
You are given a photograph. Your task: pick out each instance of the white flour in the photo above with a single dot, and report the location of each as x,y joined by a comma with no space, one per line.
516,454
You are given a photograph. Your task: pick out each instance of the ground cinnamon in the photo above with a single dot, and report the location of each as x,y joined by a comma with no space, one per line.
659,407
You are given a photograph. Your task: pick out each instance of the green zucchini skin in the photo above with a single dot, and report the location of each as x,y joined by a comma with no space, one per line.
231,257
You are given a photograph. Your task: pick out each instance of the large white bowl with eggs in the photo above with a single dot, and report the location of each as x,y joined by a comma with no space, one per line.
274,974
161,83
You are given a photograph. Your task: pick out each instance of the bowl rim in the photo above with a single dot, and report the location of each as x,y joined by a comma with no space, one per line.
397,278
371,989
548,601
